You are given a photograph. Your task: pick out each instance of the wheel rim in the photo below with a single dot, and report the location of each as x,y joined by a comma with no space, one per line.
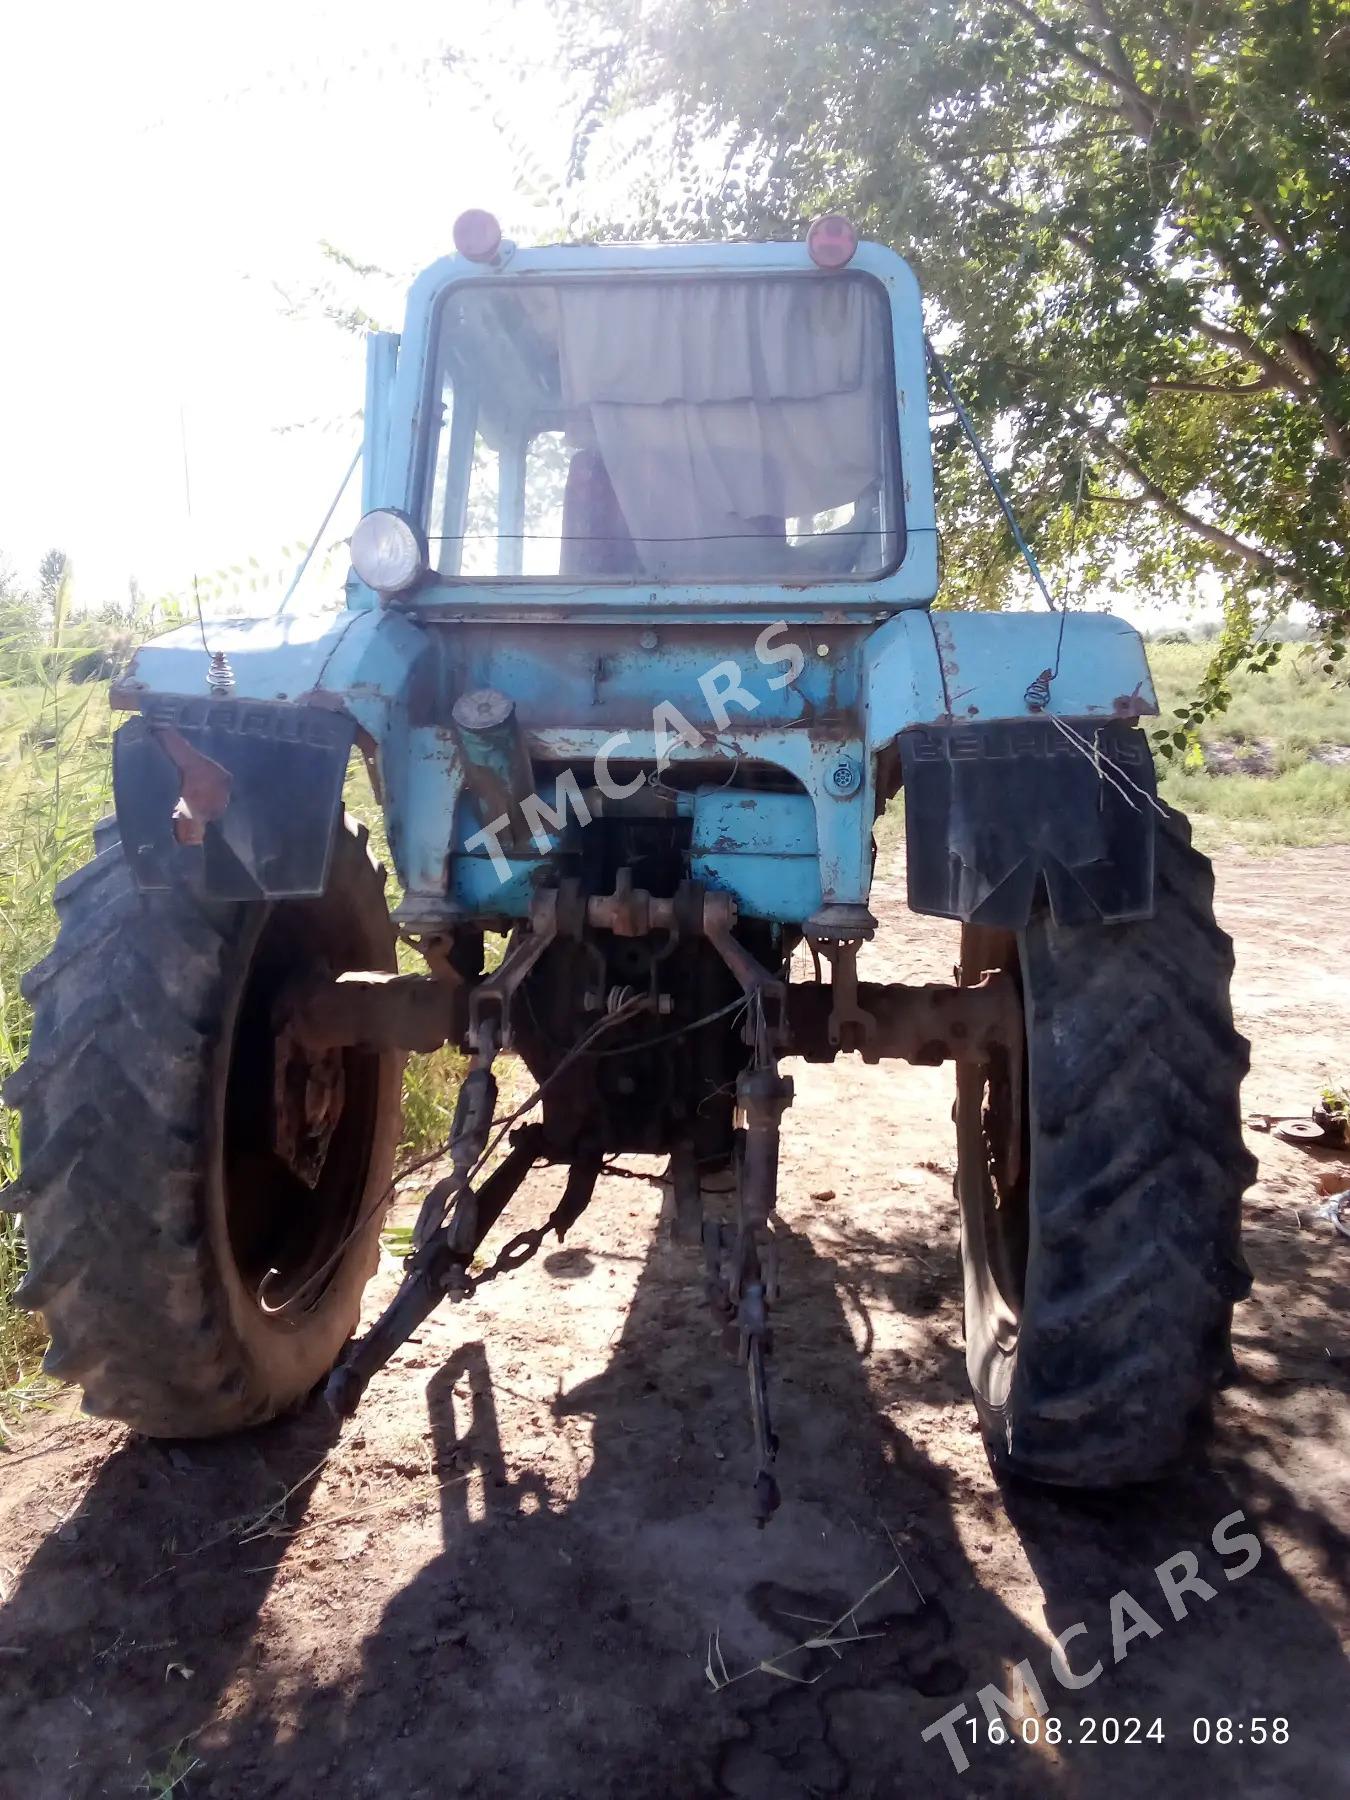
286,1233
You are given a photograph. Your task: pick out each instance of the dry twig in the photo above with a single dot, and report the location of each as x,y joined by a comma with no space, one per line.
830,1639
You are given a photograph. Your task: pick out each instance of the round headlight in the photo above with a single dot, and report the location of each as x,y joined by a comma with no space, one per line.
388,552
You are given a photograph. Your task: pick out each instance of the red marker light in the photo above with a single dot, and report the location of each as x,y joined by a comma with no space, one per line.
477,235
831,241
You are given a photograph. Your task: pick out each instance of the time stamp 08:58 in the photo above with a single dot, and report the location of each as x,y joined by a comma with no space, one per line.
1108,1730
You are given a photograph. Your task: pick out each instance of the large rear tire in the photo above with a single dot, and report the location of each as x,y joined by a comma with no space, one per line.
192,1278
1100,1178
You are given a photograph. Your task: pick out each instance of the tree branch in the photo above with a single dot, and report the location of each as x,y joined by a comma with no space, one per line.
1313,360
1188,66
1298,376
1262,385
1141,112
1247,347
1335,435
1117,60
1250,554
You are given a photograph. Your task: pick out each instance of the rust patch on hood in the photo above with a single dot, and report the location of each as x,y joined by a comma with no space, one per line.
1133,705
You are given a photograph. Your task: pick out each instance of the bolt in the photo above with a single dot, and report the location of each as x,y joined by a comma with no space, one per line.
845,777
648,640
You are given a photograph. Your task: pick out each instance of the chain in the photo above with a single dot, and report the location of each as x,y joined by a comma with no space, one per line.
520,1249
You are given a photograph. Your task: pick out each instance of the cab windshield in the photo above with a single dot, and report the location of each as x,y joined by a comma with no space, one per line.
697,429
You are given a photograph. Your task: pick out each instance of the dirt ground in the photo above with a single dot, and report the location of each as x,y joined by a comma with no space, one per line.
502,1577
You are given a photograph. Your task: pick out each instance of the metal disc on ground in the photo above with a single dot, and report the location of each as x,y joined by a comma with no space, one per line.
1300,1131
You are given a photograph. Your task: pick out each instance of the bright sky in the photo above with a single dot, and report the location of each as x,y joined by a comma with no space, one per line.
171,173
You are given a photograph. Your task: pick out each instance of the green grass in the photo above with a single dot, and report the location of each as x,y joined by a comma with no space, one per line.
1302,806
1293,701
1255,779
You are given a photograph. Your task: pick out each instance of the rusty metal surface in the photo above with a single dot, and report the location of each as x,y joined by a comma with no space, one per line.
308,1093
851,1026
631,912
763,990
928,1025
375,1011
497,769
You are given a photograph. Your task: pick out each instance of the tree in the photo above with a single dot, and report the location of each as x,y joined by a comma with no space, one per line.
20,628
1132,222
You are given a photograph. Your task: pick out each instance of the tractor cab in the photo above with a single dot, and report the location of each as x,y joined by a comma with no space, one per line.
680,418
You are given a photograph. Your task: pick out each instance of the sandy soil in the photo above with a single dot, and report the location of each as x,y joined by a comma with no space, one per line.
501,1579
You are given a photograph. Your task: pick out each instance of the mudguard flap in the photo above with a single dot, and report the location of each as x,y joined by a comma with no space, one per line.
237,797
993,810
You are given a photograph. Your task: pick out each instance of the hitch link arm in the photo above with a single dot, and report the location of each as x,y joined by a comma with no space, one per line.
762,1097
432,1270
429,1272
476,1107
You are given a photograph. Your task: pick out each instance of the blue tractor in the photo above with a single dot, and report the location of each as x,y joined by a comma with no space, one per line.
638,643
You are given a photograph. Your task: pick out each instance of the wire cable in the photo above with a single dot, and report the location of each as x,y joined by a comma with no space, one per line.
968,426
187,497
680,1031
314,541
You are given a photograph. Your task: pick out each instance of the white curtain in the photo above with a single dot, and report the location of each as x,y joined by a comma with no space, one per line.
723,408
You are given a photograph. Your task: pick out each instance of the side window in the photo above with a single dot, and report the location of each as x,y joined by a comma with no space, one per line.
546,465
840,539
463,510
482,545
814,525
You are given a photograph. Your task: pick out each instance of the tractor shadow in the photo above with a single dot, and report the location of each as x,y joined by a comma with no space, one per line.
1260,1641
559,1642
556,1641
133,1617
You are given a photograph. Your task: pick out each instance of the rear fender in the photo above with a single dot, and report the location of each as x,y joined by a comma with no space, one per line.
993,812
239,796
1022,763
241,792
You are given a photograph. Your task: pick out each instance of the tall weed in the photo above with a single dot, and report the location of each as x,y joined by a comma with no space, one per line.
55,782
